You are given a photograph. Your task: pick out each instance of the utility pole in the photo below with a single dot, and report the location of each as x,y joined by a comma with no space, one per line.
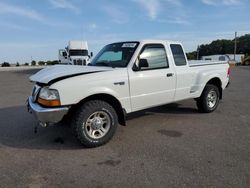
235,45
198,49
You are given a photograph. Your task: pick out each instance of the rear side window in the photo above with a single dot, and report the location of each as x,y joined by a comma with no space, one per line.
178,54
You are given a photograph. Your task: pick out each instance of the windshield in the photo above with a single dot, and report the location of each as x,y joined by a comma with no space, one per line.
115,55
78,52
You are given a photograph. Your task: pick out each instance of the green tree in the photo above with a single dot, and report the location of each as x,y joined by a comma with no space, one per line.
41,63
224,47
33,63
192,55
5,64
52,62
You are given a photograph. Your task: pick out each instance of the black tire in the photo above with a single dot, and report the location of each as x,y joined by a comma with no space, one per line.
79,124
202,101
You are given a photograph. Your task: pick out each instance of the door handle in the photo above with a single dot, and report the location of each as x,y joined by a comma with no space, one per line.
119,83
170,74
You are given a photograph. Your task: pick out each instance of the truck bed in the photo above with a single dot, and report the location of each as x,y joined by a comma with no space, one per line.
195,63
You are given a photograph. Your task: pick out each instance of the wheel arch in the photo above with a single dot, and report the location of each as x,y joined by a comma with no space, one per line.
216,82
113,101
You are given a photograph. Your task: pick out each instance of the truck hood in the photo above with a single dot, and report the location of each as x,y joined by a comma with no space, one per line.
59,72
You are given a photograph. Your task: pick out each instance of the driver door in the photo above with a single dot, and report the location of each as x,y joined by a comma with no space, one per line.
153,85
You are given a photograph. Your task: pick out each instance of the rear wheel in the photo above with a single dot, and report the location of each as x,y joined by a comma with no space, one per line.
94,123
209,99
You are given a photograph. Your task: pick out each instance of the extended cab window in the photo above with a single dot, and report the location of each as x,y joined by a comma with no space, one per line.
178,54
155,55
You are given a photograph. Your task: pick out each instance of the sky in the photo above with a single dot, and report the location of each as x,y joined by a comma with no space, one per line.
35,29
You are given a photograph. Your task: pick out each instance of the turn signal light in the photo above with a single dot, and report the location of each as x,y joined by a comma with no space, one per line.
49,103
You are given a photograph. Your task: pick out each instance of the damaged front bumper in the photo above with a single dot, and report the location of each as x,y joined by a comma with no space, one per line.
46,116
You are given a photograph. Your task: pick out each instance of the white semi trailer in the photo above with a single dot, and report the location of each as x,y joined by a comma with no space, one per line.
76,53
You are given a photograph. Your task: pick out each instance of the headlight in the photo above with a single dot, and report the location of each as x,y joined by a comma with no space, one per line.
49,97
48,94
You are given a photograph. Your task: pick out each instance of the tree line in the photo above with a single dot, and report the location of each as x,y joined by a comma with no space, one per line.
223,46
41,63
33,63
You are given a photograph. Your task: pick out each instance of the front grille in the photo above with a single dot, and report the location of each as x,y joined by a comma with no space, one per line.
79,62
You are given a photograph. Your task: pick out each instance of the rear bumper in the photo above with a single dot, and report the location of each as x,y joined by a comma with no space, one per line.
46,115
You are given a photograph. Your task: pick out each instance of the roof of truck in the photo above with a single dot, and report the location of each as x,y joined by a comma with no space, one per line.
150,41
157,41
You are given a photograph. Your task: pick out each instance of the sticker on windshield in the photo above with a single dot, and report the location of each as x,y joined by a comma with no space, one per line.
128,45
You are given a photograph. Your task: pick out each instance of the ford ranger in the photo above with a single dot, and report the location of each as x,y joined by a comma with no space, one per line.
124,77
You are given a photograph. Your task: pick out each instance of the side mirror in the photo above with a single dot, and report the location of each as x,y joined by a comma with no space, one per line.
91,54
64,54
142,63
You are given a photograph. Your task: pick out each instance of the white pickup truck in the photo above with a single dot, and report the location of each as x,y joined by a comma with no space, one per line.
124,77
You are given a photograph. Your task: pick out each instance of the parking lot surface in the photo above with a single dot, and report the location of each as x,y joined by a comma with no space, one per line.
168,146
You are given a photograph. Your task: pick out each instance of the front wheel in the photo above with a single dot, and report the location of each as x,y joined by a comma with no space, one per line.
95,123
209,99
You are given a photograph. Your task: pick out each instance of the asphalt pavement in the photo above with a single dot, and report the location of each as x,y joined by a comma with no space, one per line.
169,146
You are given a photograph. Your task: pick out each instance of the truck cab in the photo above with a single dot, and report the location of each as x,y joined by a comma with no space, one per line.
76,53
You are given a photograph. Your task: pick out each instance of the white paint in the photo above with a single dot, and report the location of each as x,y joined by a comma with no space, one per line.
141,89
